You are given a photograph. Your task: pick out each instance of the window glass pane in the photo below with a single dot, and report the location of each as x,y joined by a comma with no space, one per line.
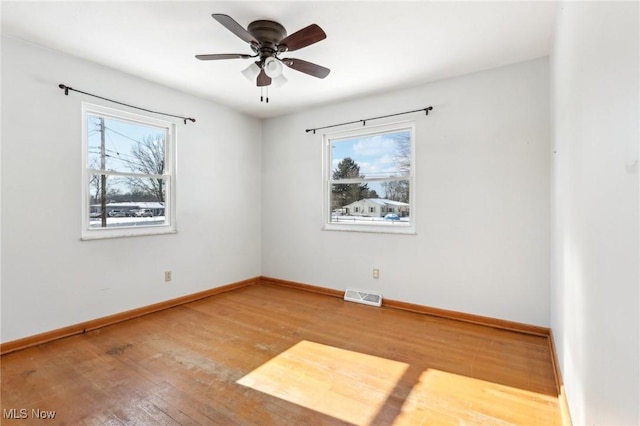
368,175
371,202
126,201
128,174
125,146
380,155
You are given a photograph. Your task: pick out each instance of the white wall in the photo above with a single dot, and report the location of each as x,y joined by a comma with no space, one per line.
482,199
50,278
595,279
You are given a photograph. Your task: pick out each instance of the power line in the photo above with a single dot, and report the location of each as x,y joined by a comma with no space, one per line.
124,160
123,135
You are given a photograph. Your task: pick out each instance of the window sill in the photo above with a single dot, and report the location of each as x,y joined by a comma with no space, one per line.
102,234
376,229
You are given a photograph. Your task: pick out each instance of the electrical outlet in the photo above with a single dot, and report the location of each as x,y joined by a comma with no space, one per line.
167,276
376,273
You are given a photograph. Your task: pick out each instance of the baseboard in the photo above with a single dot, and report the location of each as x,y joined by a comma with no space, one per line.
306,287
562,396
48,336
83,327
472,318
421,309
459,316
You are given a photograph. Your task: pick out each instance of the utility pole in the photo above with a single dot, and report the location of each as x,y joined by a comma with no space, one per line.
103,177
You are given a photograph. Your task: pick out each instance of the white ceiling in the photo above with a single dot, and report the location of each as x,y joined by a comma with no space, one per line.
371,47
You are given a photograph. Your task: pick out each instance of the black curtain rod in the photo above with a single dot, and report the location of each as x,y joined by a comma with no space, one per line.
67,88
364,122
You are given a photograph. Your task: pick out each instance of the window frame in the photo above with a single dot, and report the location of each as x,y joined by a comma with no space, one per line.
327,179
170,163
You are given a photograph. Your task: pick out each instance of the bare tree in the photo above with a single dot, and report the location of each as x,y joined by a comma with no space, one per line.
403,154
149,154
94,184
399,190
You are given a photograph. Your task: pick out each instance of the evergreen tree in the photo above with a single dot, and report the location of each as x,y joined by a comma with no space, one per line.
343,193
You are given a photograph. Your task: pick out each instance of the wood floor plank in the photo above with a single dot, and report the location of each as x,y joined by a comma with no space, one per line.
271,355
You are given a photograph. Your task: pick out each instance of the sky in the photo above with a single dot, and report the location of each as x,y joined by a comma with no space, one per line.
120,138
375,154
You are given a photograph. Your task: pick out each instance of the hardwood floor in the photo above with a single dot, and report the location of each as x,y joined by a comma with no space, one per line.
271,355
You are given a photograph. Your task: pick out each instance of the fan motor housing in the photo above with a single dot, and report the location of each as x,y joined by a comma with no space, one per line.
268,33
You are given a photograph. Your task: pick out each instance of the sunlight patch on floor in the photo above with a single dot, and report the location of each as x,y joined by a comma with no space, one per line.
440,397
347,385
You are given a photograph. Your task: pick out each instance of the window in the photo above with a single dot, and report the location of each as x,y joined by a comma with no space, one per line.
368,172
128,174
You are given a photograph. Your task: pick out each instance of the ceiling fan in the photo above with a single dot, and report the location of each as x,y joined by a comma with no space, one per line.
269,39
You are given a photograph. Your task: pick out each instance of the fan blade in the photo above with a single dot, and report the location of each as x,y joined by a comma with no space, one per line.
215,57
263,79
307,67
228,22
303,38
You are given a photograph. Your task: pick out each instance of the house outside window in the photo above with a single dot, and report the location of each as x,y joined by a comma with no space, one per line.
369,179
128,174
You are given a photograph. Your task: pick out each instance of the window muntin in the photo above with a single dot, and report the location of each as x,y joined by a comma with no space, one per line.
369,179
129,174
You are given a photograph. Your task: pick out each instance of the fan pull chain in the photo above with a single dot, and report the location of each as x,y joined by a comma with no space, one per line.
264,98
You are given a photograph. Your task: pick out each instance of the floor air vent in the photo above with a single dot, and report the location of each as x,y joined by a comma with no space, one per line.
361,296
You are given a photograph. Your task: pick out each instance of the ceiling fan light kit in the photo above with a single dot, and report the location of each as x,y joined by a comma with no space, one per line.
267,40
272,67
279,80
251,72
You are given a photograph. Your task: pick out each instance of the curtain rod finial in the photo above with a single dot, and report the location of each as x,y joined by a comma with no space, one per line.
66,88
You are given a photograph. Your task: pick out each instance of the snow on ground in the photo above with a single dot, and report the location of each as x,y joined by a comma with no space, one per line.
128,221
159,220
362,220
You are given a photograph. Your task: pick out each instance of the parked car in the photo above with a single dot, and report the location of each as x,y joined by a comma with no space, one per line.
391,216
144,213
117,213
132,213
